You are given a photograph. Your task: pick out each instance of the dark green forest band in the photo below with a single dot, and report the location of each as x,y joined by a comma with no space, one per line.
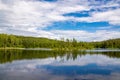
13,41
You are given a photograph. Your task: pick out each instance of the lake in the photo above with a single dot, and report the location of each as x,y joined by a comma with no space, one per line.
59,65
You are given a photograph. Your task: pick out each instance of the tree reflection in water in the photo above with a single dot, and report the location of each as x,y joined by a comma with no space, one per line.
11,55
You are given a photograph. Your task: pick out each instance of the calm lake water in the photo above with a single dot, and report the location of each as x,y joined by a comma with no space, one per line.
57,65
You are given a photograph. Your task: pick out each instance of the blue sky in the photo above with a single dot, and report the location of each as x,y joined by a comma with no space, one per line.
84,20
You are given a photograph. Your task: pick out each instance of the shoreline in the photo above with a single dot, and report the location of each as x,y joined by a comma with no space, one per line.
25,48
59,49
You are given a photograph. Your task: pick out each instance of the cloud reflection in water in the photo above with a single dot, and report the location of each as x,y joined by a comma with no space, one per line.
88,67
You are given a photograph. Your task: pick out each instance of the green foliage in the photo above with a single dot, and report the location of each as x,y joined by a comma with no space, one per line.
112,44
13,41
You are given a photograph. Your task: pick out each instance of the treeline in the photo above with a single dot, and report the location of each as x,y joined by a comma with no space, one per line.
13,41
112,44
25,42
33,42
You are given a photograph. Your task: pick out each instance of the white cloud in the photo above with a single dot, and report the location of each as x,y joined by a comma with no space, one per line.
30,17
111,16
80,35
35,13
87,36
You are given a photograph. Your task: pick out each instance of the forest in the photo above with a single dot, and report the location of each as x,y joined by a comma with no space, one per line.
13,41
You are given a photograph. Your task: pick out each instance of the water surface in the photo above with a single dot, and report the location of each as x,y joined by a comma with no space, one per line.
58,65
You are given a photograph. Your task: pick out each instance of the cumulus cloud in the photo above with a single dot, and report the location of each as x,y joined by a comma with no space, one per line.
35,13
87,36
111,16
30,17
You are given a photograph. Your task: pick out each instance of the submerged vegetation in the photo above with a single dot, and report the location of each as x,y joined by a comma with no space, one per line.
13,41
